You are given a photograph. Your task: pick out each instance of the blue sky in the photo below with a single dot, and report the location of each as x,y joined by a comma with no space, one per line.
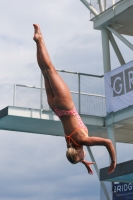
34,166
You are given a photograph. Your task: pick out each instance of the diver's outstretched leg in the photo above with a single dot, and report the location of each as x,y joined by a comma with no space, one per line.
49,92
62,96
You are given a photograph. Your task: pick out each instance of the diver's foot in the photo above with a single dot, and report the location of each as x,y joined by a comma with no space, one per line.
37,33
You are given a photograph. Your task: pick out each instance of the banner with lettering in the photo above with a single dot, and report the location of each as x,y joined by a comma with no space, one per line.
122,191
119,88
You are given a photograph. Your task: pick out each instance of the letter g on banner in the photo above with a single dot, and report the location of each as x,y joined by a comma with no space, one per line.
117,83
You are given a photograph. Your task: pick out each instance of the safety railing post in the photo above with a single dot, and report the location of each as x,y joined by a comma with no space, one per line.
41,95
14,95
79,109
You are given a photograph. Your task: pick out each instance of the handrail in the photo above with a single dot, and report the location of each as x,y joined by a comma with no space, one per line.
73,92
80,94
71,72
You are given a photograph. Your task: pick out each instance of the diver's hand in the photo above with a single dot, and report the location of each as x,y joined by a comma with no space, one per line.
112,167
88,166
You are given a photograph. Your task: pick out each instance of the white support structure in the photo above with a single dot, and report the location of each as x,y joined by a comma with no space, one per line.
106,50
93,160
79,93
105,190
104,4
116,49
104,23
113,2
97,171
14,95
107,68
90,7
111,136
41,95
125,41
101,5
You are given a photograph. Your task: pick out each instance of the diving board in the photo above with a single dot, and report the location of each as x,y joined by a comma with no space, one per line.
46,122
122,173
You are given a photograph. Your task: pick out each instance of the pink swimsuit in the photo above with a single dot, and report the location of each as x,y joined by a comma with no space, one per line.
73,112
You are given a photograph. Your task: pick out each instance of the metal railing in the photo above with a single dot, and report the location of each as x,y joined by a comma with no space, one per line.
87,92
106,5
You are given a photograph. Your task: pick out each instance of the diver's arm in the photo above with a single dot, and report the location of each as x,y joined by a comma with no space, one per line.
91,141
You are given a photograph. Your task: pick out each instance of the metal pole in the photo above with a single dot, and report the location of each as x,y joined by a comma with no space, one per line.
116,49
79,93
97,171
14,96
106,50
113,2
104,3
125,41
41,96
93,160
111,136
105,190
90,7
101,5
107,68
41,91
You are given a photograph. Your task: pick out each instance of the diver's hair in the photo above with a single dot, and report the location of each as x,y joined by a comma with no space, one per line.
72,155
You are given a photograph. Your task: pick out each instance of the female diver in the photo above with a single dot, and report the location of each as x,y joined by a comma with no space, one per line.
60,101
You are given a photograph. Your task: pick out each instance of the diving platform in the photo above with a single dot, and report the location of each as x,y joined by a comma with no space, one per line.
123,173
46,122
118,16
